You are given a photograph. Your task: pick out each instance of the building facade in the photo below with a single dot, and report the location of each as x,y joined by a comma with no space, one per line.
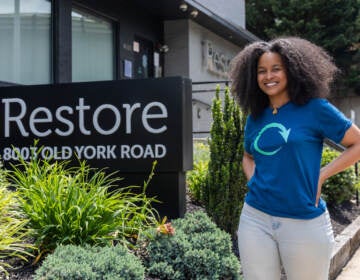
90,67
62,41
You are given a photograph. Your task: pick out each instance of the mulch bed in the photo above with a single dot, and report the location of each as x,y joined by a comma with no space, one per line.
341,216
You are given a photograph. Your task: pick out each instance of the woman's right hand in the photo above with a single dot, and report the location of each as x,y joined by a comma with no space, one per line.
248,165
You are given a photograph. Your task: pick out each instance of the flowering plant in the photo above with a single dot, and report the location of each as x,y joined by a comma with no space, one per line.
165,228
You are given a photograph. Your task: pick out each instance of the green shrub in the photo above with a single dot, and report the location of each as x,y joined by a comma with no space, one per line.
197,250
340,187
13,233
201,152
92,263
225,190
196,179
75,205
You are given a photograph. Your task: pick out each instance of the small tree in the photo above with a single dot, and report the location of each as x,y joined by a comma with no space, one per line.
226,184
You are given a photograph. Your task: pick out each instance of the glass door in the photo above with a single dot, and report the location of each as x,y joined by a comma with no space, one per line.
143,58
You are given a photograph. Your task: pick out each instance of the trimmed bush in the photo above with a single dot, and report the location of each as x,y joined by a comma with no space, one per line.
340,187
197,250
93,263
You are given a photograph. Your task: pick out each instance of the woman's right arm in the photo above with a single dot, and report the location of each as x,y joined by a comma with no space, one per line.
248,165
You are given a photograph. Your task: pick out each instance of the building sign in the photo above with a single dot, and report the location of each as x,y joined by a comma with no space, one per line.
122,125
215,60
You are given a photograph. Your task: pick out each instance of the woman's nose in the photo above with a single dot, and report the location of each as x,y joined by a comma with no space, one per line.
268,75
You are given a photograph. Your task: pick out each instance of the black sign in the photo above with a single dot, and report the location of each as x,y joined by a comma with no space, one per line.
123,125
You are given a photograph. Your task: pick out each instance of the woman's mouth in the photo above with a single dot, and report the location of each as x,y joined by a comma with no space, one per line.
271,84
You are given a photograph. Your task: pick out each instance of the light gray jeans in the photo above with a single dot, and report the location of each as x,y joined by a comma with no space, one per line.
303,247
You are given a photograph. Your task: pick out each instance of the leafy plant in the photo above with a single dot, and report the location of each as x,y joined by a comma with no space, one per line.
75,205
197,250
72,262
340,187
226,185
13,233
201,152
196,178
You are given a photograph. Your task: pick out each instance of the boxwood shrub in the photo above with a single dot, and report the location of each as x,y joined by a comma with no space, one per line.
197,250
70,262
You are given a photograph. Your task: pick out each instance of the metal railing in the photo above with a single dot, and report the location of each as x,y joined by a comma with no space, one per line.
200,91
225,82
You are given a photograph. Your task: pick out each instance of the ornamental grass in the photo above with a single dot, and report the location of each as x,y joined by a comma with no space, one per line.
79,205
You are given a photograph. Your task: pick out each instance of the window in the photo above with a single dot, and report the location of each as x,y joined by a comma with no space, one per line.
92,48
25,44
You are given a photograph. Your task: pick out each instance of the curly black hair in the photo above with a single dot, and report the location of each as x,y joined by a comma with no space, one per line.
309,68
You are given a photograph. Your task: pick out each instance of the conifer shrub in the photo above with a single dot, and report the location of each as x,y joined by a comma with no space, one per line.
340,187
197,250
225,190
70,262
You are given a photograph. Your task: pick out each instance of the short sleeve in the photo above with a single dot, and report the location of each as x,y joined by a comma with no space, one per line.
333,124
247,140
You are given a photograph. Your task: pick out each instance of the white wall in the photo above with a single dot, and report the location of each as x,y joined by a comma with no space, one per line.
187,57
198,35
199,72
231,10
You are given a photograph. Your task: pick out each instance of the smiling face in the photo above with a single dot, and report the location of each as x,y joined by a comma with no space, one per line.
272,78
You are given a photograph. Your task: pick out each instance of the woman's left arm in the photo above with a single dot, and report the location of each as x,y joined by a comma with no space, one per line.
347,158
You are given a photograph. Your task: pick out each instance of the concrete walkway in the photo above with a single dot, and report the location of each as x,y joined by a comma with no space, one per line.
352,269
345,263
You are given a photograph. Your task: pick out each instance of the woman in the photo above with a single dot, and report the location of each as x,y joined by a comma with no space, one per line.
282,84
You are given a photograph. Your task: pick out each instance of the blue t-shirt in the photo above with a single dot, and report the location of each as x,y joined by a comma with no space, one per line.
287,149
